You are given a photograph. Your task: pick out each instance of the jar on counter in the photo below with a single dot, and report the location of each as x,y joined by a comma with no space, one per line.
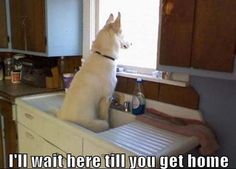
8,63
17,68
15,76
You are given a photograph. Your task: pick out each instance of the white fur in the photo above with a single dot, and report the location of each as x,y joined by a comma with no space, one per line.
88,98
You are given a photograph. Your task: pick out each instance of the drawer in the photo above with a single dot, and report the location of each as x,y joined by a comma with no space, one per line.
48,128
29,119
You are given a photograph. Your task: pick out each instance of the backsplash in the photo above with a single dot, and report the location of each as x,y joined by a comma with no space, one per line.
180,96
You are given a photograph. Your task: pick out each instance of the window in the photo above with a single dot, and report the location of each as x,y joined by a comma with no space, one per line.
140,26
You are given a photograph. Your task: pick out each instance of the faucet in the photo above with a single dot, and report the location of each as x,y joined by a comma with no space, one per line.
115,104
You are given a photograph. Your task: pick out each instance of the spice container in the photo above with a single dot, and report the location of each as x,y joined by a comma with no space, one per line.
8,67
15,76
16,68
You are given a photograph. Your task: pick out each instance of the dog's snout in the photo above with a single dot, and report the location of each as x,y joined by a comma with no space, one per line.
126,45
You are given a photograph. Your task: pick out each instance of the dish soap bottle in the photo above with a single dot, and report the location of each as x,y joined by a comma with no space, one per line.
138,99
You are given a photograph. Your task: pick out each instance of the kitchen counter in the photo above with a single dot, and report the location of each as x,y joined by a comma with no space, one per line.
10,90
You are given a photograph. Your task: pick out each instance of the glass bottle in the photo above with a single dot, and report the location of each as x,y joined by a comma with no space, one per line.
138,99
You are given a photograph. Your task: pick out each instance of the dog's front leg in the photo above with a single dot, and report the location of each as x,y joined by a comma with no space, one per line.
104,108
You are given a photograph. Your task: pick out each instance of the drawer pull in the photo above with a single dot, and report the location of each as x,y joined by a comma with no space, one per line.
29,116
29,135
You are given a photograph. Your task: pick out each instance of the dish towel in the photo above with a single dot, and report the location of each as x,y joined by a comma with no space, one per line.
187,127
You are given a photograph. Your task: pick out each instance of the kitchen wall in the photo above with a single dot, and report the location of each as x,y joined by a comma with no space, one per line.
218,104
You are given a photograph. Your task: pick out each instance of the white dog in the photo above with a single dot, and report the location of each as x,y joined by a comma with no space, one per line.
88,98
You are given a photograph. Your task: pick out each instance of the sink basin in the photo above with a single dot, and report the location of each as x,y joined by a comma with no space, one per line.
48,103
51,104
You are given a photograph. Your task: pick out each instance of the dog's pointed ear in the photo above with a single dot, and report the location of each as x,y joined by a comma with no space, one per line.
110,19
117,24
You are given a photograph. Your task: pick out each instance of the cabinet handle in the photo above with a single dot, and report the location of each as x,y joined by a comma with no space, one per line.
29,116
29,135
167,7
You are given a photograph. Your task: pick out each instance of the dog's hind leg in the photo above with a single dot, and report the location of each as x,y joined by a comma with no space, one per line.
98,125
104,108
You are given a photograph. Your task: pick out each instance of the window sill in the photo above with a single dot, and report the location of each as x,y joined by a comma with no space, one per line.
153,79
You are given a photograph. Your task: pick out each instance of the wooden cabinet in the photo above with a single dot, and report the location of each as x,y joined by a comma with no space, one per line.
3,27
198,33
8,135
28,25
47,27
214,35
176,32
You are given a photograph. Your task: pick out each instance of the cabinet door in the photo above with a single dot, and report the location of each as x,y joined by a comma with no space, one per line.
8,134
214,35
35,25
3,27
2,153
34,145
18,28
92,149
28,25
177,18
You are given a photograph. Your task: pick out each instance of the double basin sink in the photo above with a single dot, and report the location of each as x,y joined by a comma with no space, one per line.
125,132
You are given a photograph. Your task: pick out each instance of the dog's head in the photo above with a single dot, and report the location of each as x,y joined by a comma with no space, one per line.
110,39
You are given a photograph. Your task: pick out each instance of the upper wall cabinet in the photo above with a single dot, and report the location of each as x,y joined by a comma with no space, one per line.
47,27
3,27
28,25
198,33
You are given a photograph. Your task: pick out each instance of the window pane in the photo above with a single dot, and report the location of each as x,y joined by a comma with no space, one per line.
140,26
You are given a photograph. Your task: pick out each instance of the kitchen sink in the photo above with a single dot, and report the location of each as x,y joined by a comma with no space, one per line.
125,134
51,104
